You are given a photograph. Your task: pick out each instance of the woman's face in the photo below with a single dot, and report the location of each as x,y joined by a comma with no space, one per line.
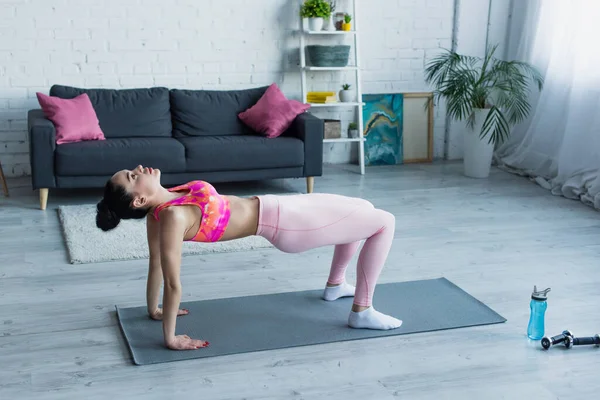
142,183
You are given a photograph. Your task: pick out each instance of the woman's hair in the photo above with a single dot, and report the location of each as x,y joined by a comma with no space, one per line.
115,206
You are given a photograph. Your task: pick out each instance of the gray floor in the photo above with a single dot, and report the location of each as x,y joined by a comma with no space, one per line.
495,238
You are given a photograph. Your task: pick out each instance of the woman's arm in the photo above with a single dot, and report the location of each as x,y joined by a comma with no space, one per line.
154,268
172,232
155,276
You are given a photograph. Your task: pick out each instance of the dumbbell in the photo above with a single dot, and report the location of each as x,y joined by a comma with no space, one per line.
571,341
554,340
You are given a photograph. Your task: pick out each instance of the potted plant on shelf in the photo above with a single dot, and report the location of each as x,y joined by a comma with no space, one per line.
353,130
346,25
316,11
346,95
490,94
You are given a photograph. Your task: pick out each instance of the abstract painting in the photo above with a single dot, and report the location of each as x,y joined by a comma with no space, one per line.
382,118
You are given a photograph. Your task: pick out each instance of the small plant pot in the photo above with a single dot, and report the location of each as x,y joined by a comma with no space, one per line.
315,24
353,133
346,96
346,26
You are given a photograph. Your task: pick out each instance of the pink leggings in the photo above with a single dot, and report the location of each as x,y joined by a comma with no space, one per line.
297,223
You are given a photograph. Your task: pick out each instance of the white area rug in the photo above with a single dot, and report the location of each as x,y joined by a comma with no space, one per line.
86,243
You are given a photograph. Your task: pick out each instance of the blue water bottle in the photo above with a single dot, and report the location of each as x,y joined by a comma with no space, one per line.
538,305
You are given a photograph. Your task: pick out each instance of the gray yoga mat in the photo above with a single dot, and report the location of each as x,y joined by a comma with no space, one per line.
275,321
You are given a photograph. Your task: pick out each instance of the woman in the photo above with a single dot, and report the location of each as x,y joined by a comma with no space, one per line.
295,223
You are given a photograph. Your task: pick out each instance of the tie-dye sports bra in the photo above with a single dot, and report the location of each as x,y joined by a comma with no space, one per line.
215,209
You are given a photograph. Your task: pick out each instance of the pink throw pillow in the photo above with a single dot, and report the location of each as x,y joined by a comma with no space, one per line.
273,113
75,119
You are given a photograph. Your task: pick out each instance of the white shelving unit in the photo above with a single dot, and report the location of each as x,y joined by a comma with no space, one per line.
309,68
356,69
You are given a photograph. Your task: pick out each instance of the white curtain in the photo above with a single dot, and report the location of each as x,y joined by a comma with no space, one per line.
559,145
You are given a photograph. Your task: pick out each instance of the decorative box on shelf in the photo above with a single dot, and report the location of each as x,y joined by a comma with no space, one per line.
333,129
328,56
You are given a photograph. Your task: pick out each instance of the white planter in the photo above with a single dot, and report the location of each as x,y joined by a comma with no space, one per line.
305,24
330,24
346,96
478,152
353,133
315,24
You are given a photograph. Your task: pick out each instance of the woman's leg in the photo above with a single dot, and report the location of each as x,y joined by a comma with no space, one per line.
336,284
301,222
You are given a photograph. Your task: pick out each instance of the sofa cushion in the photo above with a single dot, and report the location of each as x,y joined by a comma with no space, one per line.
273,113
211,112
126,112
232,153
106,157
74,119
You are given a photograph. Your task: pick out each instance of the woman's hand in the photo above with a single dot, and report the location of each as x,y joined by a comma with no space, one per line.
157,314
184,342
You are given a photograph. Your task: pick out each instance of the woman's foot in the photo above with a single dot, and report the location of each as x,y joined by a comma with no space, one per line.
332,292
372,319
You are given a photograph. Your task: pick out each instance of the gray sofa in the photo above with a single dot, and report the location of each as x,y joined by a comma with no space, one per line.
187,134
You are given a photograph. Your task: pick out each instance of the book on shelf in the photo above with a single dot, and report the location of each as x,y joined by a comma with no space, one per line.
321,97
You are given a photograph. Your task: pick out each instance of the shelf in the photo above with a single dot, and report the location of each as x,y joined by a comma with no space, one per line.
343,140
351,71
329,32
310,68
338,104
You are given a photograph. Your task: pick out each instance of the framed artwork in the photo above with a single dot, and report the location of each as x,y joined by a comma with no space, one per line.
398,128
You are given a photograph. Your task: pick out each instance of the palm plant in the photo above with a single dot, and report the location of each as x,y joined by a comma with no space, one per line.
469,83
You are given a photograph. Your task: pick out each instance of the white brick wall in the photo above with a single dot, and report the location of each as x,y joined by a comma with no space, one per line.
211,44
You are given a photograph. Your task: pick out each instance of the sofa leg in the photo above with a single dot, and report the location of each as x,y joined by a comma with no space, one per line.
4,185
310,183
43,198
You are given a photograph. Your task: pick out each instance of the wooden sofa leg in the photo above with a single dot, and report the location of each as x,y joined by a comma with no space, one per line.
4,185
43,198
310,183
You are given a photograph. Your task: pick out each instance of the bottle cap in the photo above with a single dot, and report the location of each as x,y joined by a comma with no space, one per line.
541,295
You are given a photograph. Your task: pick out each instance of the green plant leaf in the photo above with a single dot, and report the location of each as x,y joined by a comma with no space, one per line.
517,109
532,72
437,69
458,89
486,61
496,124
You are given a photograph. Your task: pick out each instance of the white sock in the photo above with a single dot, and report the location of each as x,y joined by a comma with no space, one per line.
335,292
372,319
